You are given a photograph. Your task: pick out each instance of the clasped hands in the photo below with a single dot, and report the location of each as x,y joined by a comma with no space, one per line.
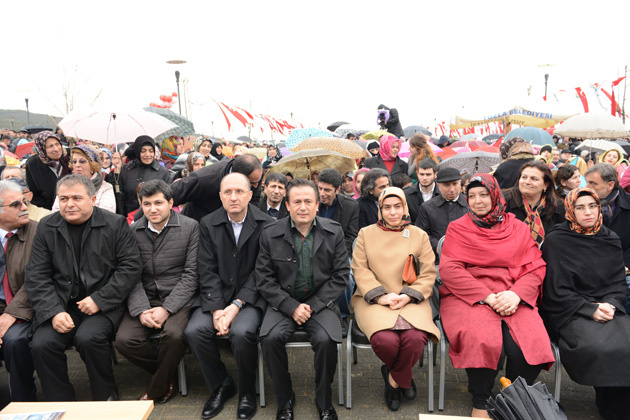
222,318
394,300
63,323
504,303
604,312
302,313
154,317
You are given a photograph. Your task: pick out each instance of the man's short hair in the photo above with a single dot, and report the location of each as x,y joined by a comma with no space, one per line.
427,164
16,168
400,180
276,177
6,137
330,176
606,171
246,164
5,186
153,187
369,180
76,179
301,182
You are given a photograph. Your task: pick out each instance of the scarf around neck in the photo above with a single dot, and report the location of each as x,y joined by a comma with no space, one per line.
533,219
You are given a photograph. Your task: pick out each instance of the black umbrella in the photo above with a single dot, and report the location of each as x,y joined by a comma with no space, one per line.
519,401
245,139
413,129
336,125
34,129
625,145
491,137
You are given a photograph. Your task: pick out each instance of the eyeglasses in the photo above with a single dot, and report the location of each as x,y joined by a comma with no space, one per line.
17,204
79,162
582,207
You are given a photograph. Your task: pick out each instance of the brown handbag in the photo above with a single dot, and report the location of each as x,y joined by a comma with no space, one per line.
411,270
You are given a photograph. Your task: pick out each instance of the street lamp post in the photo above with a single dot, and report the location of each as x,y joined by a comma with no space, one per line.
28,114
179,98
546,79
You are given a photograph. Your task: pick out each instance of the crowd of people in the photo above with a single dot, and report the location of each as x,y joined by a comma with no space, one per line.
109,246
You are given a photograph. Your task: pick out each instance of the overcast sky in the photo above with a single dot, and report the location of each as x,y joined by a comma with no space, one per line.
320,61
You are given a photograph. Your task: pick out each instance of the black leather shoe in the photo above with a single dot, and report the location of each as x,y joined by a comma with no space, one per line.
286,411
214,405
114,395
391,394
328,414
410,393
246,407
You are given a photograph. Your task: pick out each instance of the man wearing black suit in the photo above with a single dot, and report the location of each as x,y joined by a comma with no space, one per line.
200,190
424,190
301,271
373,184
275,189
229,303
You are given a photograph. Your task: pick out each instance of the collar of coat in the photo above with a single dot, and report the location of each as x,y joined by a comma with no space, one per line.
143,223
57,221
254,215
22,232
461,200
282,228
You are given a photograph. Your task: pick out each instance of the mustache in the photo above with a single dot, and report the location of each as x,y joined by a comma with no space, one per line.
23,213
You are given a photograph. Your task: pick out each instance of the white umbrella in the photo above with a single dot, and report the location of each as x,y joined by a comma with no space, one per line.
601,146
593,126
112,126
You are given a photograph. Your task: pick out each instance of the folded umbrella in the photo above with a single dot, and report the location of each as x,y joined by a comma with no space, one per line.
520,401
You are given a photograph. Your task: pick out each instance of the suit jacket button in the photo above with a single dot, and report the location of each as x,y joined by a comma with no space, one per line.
209,294
234,255
288,258
294,259
231,279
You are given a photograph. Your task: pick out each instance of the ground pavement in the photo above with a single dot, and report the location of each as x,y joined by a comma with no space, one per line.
367,386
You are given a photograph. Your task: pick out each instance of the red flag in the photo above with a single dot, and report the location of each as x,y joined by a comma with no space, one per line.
582,98
613,104
251,117
226,117
616,82
236,114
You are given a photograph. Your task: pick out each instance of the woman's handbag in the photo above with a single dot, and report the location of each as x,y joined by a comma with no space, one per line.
411,270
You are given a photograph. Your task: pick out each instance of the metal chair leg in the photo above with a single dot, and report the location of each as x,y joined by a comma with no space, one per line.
558,372
340,372
442,371
431,384
181,372
349,349
261,377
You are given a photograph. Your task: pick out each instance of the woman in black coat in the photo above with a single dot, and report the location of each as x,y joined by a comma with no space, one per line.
534,201
142,169
583,301
388,157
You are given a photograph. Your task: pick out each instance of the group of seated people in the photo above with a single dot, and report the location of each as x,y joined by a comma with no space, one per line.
229,265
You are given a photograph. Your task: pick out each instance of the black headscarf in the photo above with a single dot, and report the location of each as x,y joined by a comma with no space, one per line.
581,269
213,151
137,147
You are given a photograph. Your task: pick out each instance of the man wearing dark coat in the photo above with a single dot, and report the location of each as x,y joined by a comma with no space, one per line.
435,215
424,190
229,304
162,297
16,233
84,263
272,202
373,184
200,190
301,271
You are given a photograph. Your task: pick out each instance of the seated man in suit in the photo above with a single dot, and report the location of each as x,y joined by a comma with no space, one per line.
84,264
16,233
373,184
275,188
229,304
301,271
424,190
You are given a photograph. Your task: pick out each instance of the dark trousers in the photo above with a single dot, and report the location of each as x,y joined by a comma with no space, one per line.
92,337
613,403
400,351
275,355
481,380
16,353
202,339
158,357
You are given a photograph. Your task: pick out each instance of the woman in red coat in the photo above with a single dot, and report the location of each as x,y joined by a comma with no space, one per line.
493,273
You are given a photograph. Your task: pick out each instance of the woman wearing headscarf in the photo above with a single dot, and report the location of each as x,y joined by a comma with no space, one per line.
169,151
615,158
490,293
217,151
273,156
388,157
583,302
534,201
514,153
106,160
204,146
396,316
194,161
142,168
86,160
546,155
356,182
44,169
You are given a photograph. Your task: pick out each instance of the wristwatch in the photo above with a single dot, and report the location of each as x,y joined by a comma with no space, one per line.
238,304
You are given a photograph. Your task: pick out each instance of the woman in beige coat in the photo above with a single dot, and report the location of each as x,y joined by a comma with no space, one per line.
395,316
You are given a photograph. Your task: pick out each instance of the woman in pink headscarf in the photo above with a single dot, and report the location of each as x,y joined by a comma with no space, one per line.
388,157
